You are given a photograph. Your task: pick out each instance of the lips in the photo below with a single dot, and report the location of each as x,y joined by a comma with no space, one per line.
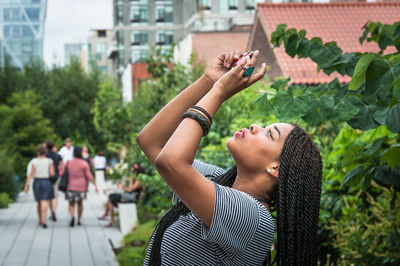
240,133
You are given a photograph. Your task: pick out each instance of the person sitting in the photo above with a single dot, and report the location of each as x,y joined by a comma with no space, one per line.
131,195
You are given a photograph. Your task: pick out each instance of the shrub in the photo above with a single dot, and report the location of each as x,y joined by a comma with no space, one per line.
4,200
370,236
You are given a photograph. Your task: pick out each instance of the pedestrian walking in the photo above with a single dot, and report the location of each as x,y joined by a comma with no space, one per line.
86,155
57,159
67,151
100,166
42,169
78,177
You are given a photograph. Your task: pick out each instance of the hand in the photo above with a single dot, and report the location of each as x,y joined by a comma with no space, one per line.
233,81
120,186
26,188
96,189
221,65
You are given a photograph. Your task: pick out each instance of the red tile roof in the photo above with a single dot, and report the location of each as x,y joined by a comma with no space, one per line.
340,22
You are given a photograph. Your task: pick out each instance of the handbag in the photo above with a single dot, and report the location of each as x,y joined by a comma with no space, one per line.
62,186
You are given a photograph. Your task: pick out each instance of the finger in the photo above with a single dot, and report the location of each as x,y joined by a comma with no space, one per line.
257,76
243,67
254,58
228,60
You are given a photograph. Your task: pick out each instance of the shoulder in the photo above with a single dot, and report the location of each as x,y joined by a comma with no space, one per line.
208,170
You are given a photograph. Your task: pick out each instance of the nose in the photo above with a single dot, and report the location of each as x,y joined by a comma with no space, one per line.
254,128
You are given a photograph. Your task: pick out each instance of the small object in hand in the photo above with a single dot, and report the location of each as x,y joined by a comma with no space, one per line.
237,61
248,71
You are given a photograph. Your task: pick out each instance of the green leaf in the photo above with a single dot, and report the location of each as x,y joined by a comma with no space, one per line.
352,178
393,118
360,71
386,177
291,44
264,107
380,111
348,108
379,76
392,156
364,119
277,34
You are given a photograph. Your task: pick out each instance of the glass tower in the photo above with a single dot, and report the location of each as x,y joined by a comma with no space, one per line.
21,30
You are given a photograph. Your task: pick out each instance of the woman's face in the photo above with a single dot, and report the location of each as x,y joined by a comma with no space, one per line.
84,149
258,148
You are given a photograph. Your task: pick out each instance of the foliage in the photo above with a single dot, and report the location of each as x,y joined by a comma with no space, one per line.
4,200
158,197
7,183
365,149
23,127
110,117
134,244
372,98
370,235
66,96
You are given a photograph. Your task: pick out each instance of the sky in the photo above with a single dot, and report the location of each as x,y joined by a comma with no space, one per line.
70,21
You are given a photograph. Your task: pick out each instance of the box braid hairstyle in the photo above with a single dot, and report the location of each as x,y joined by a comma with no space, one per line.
296,197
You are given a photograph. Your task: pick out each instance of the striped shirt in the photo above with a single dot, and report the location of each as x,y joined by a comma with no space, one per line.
241,232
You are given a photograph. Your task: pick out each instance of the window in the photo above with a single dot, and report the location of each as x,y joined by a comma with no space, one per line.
101,47
139,38
101,33
33,13
139,14
120,15
27,48
120,38
164,37
204,4
139,55
12,14
121,62
164,14
228,5
250,5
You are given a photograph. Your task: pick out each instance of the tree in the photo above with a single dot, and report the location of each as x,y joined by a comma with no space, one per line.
23,128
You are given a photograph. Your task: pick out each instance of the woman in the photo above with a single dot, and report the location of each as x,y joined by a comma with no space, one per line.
132,194
78,176
42,169
86,156
227,220
100,166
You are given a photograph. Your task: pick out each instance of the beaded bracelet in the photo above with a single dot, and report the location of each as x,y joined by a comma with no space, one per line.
199,119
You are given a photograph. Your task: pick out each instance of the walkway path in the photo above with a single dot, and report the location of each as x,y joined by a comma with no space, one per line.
23,242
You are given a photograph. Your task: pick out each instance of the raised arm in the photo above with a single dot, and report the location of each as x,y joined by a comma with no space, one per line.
174,163
157,132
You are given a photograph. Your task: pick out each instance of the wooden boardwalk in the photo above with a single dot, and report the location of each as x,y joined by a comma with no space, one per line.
23,242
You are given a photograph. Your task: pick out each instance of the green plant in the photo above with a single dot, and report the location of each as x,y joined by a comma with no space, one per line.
371,235
134,243
370,100
4,200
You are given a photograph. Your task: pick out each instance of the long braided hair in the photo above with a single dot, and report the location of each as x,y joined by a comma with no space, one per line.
296,197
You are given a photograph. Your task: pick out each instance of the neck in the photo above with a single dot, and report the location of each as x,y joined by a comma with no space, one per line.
257,185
